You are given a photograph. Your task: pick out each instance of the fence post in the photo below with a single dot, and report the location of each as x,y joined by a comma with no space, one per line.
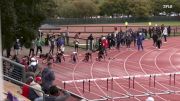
102,29
87,44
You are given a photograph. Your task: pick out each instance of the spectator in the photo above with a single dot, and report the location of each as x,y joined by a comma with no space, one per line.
90,39
32,47
33,65
47,77
54,95
140,39
169,30
165,33
39,44
25,88
33,94
11,97
25,62
17,47
52,44
76,45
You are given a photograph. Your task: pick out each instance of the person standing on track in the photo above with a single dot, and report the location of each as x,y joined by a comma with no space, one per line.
140,39
155,38
169,30
52,44
32,47
165,33
128,40
159,43
39,44
118,38
76,45
91,42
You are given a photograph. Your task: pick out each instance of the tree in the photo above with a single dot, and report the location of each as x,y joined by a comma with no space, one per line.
138,8
77,8
22,18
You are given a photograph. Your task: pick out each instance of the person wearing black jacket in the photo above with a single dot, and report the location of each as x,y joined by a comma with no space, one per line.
155,38
90,40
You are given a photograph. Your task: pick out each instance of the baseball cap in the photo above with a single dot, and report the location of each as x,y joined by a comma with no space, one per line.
38,79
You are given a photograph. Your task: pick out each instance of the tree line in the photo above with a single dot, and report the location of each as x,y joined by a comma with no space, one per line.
136,8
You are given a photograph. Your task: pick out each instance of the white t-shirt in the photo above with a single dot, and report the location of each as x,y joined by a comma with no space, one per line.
165,31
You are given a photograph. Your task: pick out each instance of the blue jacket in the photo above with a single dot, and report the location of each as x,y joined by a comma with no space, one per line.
140,38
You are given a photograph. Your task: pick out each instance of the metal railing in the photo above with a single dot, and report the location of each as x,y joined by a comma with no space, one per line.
22,84
13,69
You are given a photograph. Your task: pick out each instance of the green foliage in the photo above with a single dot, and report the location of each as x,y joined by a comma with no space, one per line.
22,18
77,8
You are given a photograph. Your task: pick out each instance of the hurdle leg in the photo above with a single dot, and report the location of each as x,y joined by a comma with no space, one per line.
129,82
83,86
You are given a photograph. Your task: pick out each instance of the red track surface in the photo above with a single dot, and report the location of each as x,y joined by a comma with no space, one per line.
125,63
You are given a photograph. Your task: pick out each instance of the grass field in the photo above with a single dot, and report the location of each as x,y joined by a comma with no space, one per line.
166,23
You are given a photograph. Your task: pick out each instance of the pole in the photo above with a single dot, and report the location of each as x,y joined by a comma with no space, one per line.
174,79
102,29
1,66
129,82
83,86
170,79
64,85
89,85
112,84
154,80
133,81
150,81
107,84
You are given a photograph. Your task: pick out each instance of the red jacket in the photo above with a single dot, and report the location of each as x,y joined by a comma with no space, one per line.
105,43
25,91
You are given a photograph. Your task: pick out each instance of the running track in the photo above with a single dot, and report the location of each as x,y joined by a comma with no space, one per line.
125,63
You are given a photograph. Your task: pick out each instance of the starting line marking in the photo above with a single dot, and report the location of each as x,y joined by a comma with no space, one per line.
123,77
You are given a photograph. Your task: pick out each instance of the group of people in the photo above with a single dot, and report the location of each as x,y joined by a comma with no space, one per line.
120,39
37,78
117,39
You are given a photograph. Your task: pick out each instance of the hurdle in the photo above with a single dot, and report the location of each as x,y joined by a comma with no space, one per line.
130,81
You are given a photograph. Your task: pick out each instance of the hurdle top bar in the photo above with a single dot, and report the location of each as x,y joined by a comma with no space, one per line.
122,77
